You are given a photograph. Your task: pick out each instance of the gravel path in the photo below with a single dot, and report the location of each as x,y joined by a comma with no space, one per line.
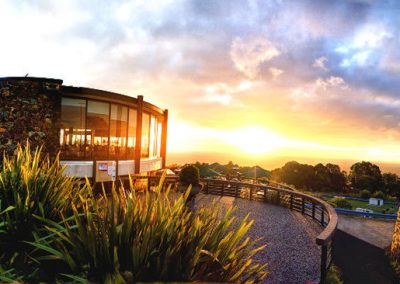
291,253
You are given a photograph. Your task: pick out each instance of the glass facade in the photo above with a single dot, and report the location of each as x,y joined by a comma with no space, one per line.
95,130
159,133
72,132
145,135
131,134
118,131
98,129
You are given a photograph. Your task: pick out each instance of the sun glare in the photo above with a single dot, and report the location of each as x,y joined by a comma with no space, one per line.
256,140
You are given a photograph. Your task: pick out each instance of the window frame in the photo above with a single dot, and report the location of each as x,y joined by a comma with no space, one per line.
88,155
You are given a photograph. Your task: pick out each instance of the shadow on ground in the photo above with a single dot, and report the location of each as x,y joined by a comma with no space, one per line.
361,262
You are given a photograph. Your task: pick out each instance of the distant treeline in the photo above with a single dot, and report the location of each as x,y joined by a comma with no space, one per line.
229,170
363,176
330,178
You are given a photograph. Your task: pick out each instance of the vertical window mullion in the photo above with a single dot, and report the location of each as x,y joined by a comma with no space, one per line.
109,130
127,133
86,132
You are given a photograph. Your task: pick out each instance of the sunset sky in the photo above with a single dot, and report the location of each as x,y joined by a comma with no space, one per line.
250,81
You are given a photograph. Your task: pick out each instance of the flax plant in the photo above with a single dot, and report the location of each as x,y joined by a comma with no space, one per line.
128,236
31,188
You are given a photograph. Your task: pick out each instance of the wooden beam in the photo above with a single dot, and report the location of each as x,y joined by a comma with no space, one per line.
164,139
138,145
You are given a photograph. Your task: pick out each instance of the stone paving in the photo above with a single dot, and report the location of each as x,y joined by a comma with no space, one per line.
291,253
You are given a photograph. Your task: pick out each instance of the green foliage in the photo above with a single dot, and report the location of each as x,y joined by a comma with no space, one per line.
146,238
321,178
365,175
379,194
189,175
31,188
272,197
391,184
365,194
333,276
205,170
340,203
53,229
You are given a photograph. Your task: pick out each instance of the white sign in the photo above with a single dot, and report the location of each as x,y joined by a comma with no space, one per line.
111,171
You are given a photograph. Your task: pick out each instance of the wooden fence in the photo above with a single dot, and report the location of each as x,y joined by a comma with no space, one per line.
310,206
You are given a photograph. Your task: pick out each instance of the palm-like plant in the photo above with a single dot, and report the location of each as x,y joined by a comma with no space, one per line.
53,228
147,237
31,188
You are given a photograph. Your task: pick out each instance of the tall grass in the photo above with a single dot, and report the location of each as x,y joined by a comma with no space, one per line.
31,188
133,237
66,233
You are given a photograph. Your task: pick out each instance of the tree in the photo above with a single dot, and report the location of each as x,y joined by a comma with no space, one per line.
322,178
365,175
294,173
337,178
391,184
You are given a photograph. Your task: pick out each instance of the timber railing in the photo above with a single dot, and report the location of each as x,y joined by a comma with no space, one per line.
284,196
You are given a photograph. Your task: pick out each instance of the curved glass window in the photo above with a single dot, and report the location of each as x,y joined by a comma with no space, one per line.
131,134
159,132
145,135
118,131
152,138
95,130
72,132
98,118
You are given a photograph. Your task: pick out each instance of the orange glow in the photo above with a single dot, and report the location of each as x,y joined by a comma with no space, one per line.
255,140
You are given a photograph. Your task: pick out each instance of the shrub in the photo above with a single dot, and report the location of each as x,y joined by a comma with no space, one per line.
272,197
395,246
379,194
333,276
340,203
145,237
189,175
72,235
365,194
32,188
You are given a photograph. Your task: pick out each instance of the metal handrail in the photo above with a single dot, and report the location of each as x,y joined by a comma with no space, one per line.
326,235
324,239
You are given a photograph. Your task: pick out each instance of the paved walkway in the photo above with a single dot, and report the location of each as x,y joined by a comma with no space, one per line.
292,254
360,262
374,231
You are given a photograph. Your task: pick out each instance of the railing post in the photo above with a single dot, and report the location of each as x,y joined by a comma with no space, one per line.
251,192
223,187
148,183
313,210
302,205
291,202
322,217
324,254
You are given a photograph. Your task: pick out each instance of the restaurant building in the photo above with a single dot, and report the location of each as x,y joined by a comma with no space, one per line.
99,134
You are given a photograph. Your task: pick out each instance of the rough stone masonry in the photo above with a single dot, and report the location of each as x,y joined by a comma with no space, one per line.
29,110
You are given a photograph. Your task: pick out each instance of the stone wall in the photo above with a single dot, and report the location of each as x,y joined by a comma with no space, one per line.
29,109
395,247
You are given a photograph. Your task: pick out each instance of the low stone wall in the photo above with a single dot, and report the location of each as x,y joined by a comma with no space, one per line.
395,247
29,109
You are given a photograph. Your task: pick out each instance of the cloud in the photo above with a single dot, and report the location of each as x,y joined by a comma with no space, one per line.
320,63
225,94
335,61
276,72
248,53
331,82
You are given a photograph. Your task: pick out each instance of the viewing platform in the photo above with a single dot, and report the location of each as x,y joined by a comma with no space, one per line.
298,228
